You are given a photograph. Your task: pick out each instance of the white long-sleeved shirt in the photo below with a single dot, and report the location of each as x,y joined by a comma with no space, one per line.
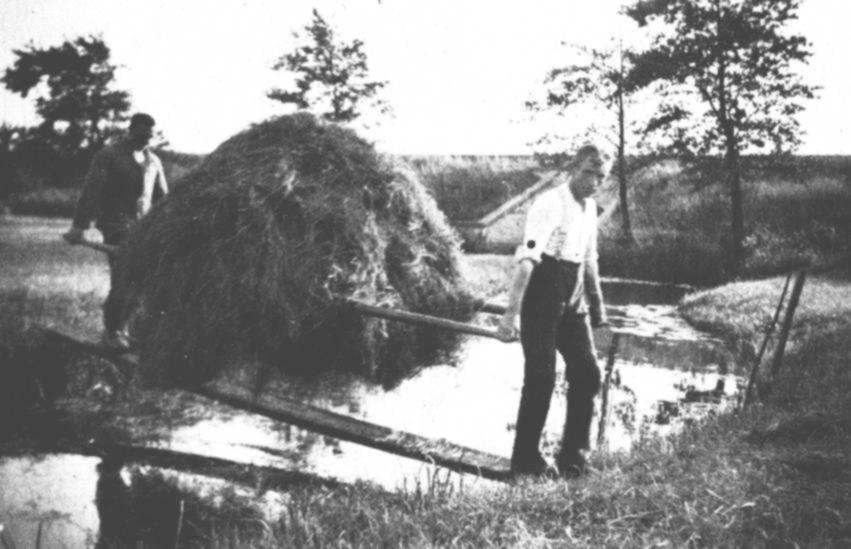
560,226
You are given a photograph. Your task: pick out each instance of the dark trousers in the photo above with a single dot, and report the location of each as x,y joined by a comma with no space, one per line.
549,323
114,310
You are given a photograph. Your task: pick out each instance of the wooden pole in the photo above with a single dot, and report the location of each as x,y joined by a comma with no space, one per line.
787,321
490,307
422,320
604,404
319,420
758,361
438,322
108,249
243,395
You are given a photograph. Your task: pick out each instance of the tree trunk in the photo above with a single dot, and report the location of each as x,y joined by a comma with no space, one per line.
731,165
737,234
626,226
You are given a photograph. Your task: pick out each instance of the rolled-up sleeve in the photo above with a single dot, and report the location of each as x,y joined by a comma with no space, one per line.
541,220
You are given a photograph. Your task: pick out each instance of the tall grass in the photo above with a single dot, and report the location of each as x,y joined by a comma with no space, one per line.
681,222
468,187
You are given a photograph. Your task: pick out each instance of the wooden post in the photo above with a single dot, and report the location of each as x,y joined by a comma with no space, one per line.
604,404
758,361
787,321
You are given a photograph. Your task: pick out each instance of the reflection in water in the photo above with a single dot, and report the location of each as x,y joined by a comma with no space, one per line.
144,511
83,502
50,498
115,507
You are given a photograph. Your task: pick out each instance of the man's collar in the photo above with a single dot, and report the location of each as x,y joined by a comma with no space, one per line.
125,143
568,191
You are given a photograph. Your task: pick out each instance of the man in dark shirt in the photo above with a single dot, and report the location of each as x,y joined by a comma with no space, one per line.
124,179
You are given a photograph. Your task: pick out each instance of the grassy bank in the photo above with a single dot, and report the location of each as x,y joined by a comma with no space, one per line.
469,187
815,373
793,215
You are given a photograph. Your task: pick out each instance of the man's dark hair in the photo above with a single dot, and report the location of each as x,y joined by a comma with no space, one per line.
142,119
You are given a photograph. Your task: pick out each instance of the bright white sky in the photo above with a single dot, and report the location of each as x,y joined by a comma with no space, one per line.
459,71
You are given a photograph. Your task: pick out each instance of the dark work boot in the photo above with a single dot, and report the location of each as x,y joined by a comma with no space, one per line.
570,463
526,457
535,466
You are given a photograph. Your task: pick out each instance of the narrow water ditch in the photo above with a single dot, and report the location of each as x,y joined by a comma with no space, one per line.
665,374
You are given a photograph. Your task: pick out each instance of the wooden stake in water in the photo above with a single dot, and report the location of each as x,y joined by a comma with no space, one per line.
604,404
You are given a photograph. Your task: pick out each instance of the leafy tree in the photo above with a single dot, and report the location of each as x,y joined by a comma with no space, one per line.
737,59
331,76
599,78
73,85
27,161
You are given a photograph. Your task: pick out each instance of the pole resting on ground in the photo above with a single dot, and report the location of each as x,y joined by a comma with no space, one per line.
794,297
755,368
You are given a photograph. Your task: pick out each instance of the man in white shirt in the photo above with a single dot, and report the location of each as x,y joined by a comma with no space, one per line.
556,296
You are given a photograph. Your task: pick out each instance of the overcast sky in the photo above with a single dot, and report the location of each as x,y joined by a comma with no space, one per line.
459,71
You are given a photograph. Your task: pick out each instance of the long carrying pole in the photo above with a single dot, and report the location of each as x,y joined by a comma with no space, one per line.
421,319
108,249
382,312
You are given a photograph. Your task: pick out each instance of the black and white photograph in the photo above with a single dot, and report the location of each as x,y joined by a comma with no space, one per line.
425,273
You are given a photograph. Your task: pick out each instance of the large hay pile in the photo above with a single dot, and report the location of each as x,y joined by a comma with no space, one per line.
252,255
